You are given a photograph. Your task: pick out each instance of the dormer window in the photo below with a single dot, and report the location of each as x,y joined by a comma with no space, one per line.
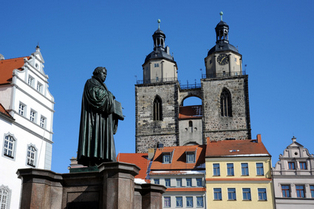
303,166
166,157
291,165
190,157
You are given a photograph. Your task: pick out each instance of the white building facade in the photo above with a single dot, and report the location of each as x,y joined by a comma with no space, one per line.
26,121
293,178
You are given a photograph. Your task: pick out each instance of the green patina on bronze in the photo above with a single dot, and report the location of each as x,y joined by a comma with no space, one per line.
99,121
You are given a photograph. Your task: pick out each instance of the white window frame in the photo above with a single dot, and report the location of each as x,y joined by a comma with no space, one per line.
39,87
31,157
189,204
190,157
199,201
167,202
22,109
9,146
181,201
33,116
166,158
43,122
31,80
5,192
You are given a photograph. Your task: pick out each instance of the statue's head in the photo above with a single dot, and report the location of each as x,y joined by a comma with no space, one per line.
100,73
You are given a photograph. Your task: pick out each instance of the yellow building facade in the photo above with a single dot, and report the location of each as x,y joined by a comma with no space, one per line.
238,175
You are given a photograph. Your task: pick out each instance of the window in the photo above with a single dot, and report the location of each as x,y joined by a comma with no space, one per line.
300,191
189,202
166,158
179,182
167,182
230,170
246,193
312,191
39,87
262,194
156,181
217,193
188,182
231,194
4,197
31,156
291,165
216,169
285,189
225,103
22,109
167,202
259,169
42,122
32,116
9,146
303,166
157,109
179,203
199,202
190,157
245,169
199,182
156,65
30,81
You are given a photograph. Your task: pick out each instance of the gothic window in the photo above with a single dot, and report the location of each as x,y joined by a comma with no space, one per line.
157,109
225,103
4,197
31,155
9,146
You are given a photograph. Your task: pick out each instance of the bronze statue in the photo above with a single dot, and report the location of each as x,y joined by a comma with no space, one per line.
99,121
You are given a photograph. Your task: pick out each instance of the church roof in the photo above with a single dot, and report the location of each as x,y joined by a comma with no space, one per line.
219,47
7,66
236,148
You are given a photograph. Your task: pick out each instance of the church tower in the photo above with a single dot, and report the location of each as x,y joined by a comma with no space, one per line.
157,98
161,117
225,91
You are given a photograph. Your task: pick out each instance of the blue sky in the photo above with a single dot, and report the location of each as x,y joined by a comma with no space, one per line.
274,38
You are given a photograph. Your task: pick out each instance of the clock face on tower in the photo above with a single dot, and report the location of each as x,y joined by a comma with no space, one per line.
223,59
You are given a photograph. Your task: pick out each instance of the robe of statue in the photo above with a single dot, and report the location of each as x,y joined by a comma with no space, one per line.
97,126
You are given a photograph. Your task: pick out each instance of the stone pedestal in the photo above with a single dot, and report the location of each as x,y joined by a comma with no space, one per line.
111,187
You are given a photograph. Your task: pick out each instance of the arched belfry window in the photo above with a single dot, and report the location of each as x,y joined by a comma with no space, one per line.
157,108
225,103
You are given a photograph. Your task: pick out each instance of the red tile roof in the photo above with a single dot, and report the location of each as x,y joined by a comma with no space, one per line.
4,112
179,158
7,66
186,112
139,159
236,147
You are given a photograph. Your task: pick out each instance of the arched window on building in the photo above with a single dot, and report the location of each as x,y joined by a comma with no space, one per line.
225,103
5,194
157,108
9,146
31,155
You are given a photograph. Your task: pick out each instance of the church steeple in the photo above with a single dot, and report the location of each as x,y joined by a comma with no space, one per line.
159,38
222,30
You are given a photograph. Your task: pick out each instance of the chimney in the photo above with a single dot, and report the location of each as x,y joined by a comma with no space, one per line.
259,138
208,140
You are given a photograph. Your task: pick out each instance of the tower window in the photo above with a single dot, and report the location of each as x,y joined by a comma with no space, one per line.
225,103
157,109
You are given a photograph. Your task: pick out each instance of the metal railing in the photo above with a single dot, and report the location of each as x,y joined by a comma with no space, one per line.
190,86
225,74
156,80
